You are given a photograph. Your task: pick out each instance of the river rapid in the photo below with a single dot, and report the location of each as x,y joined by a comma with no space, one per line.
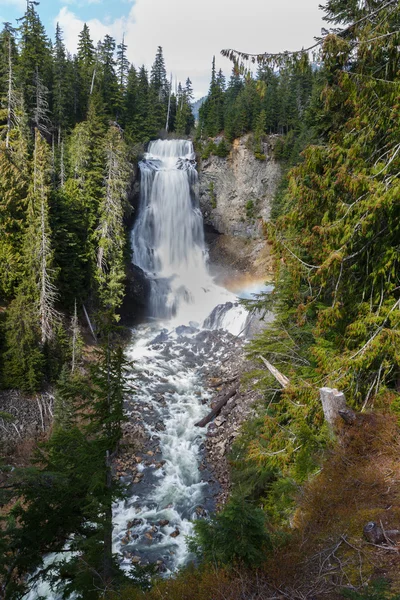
193,325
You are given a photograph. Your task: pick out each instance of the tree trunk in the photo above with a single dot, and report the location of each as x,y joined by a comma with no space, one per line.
282,379
333,401
107,559
218,407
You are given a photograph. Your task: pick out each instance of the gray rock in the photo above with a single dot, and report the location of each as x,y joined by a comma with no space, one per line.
233,182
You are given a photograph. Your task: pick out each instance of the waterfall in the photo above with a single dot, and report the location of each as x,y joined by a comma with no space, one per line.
168,238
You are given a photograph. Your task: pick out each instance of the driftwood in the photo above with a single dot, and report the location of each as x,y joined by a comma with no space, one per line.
218,407
282,379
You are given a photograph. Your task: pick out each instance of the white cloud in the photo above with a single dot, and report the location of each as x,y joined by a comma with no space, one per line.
191,32
20,4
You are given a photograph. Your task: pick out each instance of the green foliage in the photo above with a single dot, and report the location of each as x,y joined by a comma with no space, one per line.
69,490
335,241
377,590
236,534
250,207
265,104
213,196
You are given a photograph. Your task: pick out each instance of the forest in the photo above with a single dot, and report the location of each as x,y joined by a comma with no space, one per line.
72,129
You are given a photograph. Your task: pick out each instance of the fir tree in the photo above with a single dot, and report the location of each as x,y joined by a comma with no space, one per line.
85,71
34,64
111,238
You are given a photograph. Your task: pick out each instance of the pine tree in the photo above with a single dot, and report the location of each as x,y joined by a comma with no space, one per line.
123,65
158,95
60,90
34,64
39,239
14,178
8,94
86,59
106,76
158,77
111,238
69,492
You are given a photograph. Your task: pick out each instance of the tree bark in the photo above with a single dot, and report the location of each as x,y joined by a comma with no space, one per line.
282,379
218,407
107,557
333,402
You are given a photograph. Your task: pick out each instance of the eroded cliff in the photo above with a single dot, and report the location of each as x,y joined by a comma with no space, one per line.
236,195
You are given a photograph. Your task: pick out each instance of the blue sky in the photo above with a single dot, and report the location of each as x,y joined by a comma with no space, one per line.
104,10
190,31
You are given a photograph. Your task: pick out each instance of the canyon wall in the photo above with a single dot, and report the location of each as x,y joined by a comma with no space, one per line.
236,195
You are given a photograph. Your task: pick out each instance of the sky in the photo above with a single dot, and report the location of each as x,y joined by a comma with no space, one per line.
190,31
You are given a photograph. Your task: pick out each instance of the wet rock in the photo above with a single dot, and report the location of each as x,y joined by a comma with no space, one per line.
135,523
160,338
163,523
137,293
184,329
201,511
136,560
175,533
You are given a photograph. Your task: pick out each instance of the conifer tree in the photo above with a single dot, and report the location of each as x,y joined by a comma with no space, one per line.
85,69
111,238
34,64
60,90
38,243
122,64
14,178
106,76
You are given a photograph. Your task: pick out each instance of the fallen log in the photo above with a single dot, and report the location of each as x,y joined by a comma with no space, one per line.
280,377
218,407
220,383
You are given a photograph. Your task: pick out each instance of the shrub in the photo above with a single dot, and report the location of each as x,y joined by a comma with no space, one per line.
237,534
378,590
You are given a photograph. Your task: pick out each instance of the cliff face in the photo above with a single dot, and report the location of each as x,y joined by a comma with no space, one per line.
236,195
236,192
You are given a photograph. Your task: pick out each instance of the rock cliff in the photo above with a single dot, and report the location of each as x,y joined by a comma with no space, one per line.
236,192
236,195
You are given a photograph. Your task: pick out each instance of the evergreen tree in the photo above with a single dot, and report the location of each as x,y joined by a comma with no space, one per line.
158,95
34,64
85,63
122,64
60,90
111,238
8,94
70,489
106,76
158,77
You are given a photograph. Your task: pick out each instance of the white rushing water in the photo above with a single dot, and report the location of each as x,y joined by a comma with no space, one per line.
171,356
168,238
